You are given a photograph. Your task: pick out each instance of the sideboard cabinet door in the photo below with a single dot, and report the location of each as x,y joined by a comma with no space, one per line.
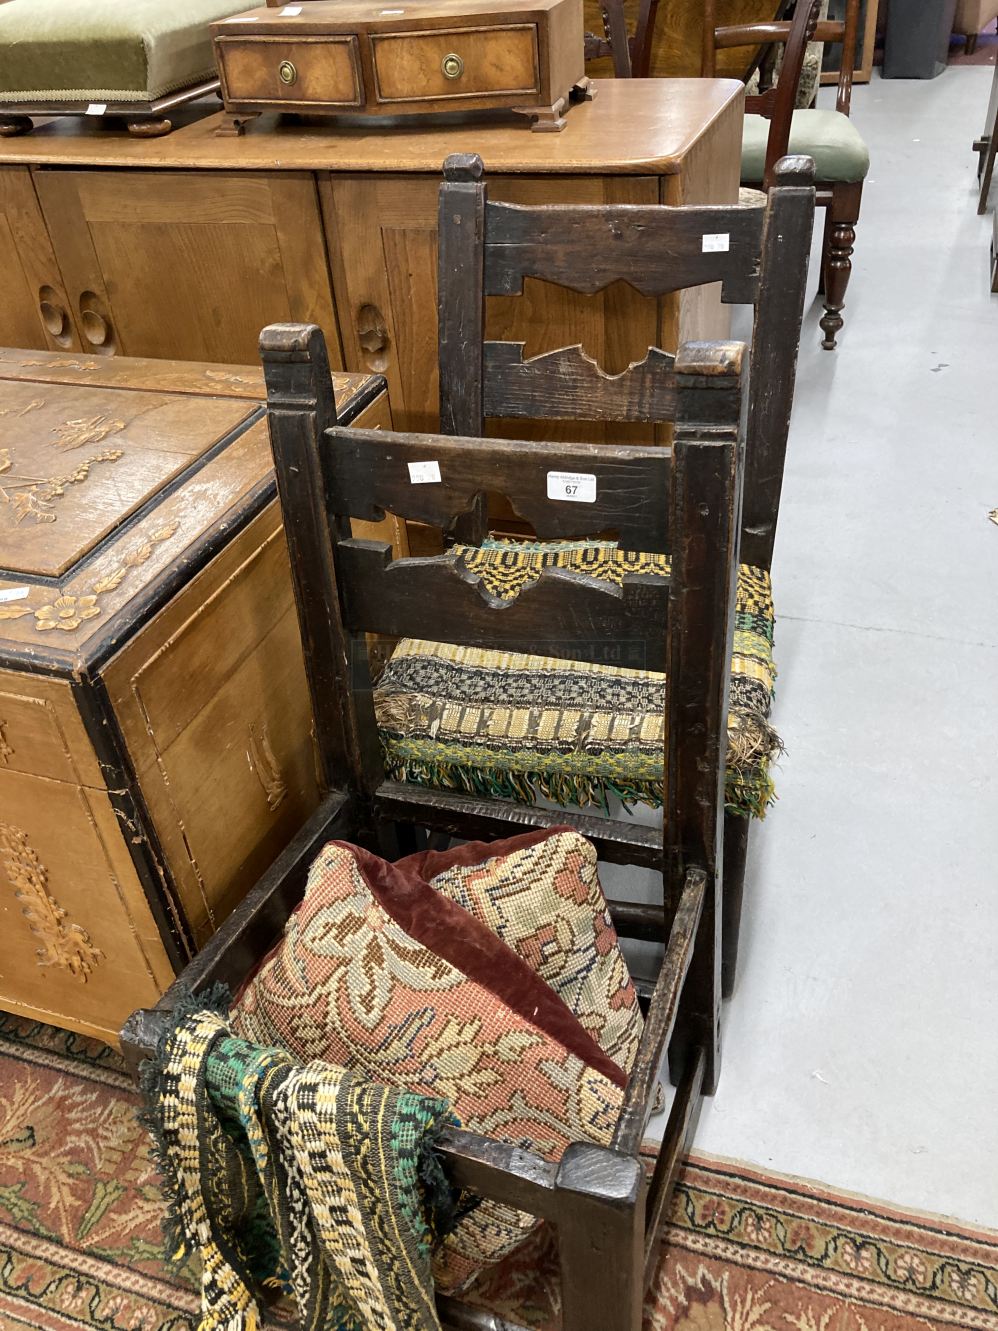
34,310
188,265
382,237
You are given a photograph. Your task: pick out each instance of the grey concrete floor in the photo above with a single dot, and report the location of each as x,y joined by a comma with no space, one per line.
861,1046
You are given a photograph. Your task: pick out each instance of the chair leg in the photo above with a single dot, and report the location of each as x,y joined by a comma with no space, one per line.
826,241
601,1232
736,834
985,174
970,45
843,213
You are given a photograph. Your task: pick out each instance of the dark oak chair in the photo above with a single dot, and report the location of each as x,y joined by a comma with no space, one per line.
773,128
488,248
606,1205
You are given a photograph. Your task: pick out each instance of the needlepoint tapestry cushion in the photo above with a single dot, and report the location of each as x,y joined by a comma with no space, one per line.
377,972
541,894
519,726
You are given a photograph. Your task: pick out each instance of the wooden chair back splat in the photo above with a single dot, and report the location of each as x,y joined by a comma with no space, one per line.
683,500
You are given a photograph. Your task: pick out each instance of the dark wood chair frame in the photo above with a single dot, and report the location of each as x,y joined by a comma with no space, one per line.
986,148
606,1205
840,199
488,249
632,55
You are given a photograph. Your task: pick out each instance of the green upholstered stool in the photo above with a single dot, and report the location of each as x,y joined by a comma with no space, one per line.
828,136
517,726
136,58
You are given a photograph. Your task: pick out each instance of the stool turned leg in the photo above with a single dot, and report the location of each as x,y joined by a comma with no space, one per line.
837,257
149,129
11,126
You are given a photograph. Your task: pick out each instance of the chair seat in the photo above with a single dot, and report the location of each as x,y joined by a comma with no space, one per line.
828,136
518,726
104,50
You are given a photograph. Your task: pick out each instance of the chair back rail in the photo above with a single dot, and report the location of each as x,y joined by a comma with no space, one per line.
367,473
562,614
657,249
489,248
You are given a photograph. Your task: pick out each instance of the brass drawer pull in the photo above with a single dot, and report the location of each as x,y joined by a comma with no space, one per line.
452,66
287,73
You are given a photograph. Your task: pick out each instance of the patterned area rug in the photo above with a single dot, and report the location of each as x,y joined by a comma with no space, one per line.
80,1246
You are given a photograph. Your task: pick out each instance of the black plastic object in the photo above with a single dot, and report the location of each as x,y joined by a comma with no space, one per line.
916,43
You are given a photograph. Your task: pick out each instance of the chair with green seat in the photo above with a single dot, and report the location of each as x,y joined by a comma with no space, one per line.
774,126
472,722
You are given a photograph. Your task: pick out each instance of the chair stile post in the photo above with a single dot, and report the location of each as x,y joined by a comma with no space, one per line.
301,408
461,315
706,504
780,310
601,1228
461,268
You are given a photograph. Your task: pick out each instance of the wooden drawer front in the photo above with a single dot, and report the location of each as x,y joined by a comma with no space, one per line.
322,71
409,66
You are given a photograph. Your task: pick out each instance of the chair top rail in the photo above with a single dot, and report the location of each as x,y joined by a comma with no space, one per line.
754,34
563,491
655,249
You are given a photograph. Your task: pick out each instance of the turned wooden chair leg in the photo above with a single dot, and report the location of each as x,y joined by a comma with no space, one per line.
736,834
601,1239
825,243
843,213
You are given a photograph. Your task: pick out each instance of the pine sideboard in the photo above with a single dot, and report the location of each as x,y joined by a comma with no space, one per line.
185,246
155,728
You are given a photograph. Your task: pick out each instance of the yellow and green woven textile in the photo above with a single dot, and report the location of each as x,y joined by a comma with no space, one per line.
521,726
301,1177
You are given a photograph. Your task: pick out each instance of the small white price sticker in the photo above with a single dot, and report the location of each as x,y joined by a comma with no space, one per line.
96,108
578,487
718,242
422,473
14,594
290,11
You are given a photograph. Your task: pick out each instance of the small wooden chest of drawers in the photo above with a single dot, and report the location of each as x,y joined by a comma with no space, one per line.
155,730
356,57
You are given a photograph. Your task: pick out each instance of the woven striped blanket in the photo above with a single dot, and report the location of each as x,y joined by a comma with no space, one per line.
305,1179
520,726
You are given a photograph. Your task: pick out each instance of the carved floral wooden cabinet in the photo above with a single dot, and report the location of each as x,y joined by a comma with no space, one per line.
155,730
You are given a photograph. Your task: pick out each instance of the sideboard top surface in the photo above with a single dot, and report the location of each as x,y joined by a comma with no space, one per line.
632,126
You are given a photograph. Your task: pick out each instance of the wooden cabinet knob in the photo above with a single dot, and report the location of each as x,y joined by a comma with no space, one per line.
95,328
372,329
452,66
